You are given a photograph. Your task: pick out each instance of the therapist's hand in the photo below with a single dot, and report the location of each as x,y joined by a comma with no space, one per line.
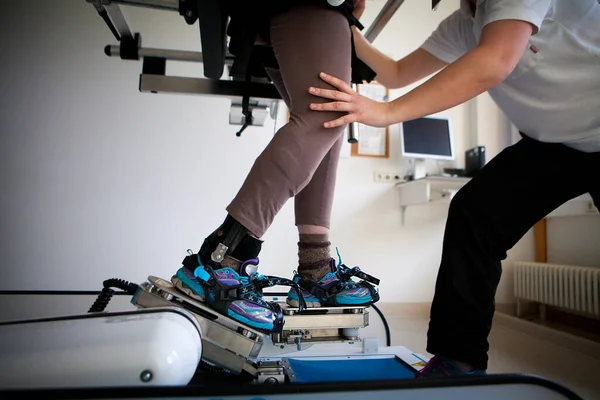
359,108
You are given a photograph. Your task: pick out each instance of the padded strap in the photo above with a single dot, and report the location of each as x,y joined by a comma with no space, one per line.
225,240
346,273
320,292
327,294
212,21
269,281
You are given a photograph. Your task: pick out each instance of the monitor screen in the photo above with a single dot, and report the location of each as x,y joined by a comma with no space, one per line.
427,138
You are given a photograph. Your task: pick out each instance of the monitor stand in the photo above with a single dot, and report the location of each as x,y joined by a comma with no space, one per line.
420,168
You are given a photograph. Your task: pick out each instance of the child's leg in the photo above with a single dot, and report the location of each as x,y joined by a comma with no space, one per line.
312,208
306,40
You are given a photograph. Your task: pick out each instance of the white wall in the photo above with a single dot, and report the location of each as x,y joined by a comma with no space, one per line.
101,181
573,240
98,179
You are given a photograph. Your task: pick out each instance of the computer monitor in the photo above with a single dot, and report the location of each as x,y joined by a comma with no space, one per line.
426,138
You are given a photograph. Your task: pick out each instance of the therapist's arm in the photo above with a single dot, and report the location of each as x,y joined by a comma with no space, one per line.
396,74
500,48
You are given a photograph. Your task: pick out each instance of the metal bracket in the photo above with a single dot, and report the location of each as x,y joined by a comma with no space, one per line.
219,253
270,372
153,78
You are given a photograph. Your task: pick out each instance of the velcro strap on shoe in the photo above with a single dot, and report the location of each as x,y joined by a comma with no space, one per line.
346,273
279,320
319,291
367,277
269,281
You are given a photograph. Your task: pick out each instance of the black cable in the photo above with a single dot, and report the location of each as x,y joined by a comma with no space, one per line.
388,336
107,293
53,293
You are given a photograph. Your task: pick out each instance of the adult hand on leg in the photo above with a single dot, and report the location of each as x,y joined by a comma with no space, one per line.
359,108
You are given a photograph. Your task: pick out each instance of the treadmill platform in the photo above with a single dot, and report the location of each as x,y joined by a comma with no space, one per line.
234,347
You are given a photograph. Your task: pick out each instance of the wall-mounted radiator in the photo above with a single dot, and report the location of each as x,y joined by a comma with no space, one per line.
570,288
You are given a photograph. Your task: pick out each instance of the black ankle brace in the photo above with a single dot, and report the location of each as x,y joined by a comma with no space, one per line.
230,239
248,248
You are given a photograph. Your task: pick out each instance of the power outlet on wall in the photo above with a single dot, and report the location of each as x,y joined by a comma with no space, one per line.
386,176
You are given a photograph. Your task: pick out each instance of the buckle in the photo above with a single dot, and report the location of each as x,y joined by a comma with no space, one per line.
368,278
228,294
320,292
219,253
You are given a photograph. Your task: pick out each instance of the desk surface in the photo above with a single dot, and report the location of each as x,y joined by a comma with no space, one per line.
438,179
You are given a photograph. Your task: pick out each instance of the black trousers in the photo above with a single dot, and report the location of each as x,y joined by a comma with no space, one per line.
487,217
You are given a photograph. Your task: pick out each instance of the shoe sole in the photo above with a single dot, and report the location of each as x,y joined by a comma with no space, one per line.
309,304
185,289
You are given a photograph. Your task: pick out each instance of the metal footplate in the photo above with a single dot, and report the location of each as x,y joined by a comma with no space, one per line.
226,343
321,325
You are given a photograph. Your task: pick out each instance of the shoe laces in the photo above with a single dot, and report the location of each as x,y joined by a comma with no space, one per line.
345,273
435,364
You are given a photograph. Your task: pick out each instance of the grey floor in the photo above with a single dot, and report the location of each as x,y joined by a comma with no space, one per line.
512,351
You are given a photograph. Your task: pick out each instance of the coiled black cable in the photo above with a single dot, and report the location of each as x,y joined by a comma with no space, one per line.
107,293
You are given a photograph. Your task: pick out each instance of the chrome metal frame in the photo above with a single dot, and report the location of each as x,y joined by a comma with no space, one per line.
157,82
384,16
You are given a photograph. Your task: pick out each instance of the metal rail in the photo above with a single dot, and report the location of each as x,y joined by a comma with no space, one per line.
384,16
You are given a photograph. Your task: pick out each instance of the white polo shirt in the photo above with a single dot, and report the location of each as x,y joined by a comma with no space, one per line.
553,94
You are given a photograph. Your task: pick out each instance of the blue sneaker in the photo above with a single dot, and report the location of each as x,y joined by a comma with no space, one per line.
336,288
237,295
444,367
